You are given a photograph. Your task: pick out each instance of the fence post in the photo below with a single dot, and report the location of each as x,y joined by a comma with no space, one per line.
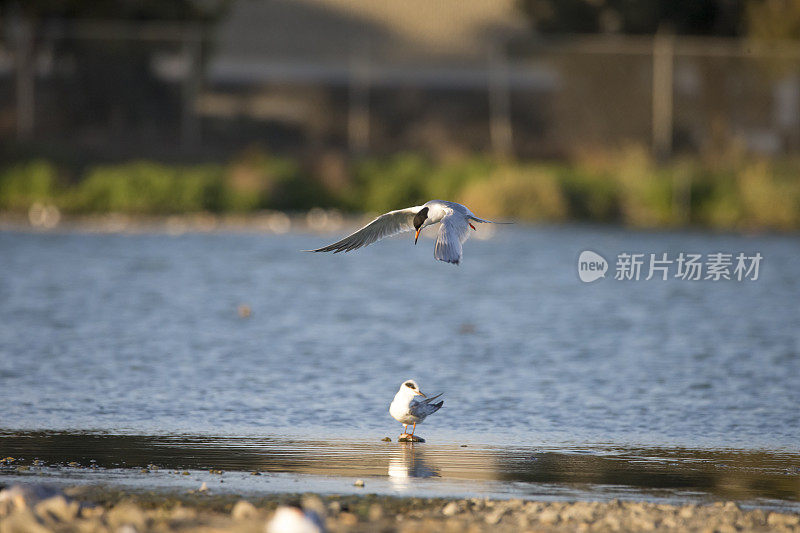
190,88
663,57
681,196
24,63
358,106
500,128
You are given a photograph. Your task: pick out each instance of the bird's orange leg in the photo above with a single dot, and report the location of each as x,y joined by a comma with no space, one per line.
414,428
405,429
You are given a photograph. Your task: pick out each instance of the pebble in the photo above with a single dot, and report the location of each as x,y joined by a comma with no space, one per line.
375,512
57,508
126,514
182,513
641,523
348,519
450,509
579,512
92,512
477,504
243,510
549,517
359,483
613,522
495,516
778,519
24,521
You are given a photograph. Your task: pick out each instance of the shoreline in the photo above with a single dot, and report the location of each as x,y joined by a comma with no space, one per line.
104,508
314,221
270,222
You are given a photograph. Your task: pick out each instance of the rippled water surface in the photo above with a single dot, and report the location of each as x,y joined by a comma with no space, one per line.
139,334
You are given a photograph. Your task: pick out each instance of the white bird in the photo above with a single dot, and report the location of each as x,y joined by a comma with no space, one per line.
406,409
455,221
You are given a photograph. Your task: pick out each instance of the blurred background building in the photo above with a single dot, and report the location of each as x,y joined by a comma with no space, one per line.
526,78
648,113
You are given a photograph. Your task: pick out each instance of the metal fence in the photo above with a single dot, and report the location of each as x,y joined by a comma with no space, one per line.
158,89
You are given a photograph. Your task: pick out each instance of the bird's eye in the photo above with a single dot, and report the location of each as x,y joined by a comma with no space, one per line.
409,385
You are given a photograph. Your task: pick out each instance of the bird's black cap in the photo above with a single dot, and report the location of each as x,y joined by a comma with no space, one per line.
420,217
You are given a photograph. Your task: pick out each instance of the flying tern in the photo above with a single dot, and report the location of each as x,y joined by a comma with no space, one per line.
455,220
406,409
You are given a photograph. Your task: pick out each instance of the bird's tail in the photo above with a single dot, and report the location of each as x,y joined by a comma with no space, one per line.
429,400
482,221
436,406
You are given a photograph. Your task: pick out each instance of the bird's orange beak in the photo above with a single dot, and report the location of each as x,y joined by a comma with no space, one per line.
417,235
422,394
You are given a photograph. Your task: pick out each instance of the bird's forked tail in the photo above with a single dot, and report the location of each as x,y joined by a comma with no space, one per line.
483,221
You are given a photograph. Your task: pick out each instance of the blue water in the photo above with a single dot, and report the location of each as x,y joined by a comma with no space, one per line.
140,334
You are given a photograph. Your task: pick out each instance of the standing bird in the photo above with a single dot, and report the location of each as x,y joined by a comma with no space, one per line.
406,409
455,218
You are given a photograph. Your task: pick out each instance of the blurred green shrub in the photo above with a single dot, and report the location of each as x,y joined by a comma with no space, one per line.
23,184
145,187
623,186
526,192
393,183
258,180
768,198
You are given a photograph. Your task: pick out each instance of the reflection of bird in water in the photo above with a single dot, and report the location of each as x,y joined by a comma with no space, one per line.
455,218
409,463
406,409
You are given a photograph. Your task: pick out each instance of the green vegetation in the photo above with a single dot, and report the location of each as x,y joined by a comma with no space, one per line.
625,187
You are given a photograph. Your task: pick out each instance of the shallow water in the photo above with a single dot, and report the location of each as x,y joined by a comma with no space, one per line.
139,334
227,464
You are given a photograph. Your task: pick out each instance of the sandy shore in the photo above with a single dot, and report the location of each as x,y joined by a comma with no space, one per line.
99,509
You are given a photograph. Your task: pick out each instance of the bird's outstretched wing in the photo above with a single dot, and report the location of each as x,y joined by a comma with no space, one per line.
453,231
425,407
385,225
